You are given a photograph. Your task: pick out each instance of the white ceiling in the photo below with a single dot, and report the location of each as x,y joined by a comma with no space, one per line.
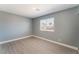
32,10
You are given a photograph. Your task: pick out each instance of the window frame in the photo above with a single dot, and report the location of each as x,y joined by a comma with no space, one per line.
47,21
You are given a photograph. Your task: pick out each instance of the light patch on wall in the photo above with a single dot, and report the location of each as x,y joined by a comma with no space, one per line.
47,24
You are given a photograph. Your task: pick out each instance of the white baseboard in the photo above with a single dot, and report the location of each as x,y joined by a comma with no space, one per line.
62,44
15,39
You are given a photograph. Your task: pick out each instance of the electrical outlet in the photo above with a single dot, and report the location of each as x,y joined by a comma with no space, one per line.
59,39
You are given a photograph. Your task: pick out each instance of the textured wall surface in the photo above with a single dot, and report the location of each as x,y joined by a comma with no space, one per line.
13,26
66,27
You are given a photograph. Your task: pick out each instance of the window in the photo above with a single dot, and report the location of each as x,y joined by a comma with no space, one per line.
47,24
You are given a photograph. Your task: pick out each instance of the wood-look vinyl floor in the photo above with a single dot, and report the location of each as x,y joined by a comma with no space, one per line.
34,45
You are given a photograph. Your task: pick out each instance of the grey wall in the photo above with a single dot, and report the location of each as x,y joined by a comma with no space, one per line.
66,27
14,26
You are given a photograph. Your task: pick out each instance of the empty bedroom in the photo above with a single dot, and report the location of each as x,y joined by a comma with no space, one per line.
39,29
